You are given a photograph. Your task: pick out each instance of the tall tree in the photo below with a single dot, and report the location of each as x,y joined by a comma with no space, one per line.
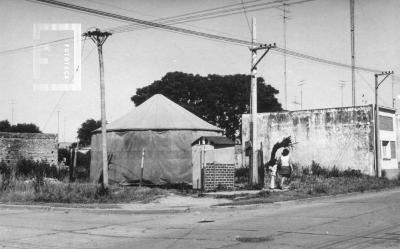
18,128
220,100
5,126
86,129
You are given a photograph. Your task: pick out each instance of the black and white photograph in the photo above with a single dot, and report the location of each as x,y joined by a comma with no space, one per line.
200,124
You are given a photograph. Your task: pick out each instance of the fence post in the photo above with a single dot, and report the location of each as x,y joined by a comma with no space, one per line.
141,169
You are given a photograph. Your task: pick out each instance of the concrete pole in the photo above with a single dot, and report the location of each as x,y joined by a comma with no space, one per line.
253,124
103,117
377,138
284,55
353,78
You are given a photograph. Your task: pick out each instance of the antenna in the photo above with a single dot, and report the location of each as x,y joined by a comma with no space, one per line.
12,104
342,84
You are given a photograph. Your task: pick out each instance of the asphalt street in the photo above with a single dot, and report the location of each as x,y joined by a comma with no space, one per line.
369,220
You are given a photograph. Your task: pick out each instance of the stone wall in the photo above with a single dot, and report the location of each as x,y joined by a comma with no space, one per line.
341,137
219,175
36,146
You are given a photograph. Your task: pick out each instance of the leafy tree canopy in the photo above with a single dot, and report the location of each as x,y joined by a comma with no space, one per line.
18,128
86,129
220,100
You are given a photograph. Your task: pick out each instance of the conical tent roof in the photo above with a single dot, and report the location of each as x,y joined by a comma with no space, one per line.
160,113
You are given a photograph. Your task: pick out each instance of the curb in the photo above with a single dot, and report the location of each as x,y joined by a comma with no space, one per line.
188,209
305,200
91,210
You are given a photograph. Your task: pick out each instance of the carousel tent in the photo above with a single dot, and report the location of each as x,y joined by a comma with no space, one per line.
162,130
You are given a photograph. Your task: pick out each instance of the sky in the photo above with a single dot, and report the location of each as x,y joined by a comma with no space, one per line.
135,59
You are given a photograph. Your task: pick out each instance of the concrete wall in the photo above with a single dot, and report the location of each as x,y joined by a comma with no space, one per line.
338,136
36,146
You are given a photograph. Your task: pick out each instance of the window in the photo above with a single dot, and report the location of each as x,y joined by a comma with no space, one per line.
388,150
385,123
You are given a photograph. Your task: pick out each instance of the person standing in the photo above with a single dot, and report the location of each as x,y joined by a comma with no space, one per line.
285,167
273,170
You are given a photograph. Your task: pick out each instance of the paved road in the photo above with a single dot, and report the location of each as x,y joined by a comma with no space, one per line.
369,220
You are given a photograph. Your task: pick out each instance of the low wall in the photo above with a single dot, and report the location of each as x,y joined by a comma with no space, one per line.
36,146
341,137
219,175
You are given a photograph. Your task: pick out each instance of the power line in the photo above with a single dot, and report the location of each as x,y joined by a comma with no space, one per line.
214,15
55,42
195,33
64,93
245,16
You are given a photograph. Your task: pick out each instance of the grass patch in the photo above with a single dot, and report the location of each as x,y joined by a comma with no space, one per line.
317,181
39,182
27,191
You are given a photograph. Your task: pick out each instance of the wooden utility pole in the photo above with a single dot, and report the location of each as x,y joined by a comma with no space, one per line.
376,119
99,37
253,169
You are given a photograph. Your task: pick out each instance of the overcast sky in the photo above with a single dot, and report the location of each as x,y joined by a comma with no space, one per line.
137,58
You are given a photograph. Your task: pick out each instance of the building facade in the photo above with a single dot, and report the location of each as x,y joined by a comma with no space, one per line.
340,137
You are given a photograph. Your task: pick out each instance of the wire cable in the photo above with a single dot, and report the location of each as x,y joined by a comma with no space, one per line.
192,32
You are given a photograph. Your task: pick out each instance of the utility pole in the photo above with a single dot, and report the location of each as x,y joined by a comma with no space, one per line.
12,103
253,174
64,129
353,76
296,102
376,119
342,84
284,16
393,98
99,37
58,124
301,83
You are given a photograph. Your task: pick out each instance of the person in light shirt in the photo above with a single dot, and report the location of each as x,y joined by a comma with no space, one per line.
285,167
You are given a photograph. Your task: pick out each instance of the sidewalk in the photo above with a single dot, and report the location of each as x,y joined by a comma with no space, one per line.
169,204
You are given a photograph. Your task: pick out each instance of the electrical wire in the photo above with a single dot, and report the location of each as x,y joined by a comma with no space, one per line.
72,78
192,32
245,16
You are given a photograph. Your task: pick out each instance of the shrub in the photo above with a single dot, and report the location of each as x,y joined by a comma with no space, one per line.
38,170
351,173
317,170
321,188
306,171
242,175
6,174
334,172
383,173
